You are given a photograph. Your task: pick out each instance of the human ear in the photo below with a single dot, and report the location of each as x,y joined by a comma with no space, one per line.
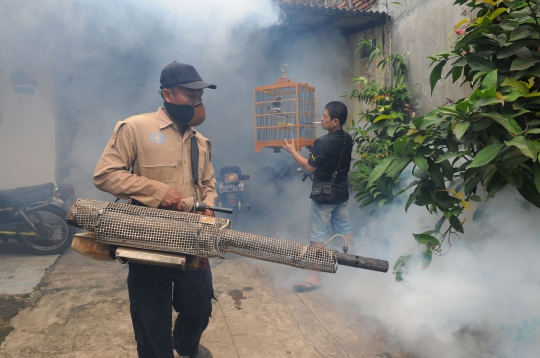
167,95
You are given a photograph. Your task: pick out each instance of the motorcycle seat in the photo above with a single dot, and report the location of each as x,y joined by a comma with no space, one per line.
20,197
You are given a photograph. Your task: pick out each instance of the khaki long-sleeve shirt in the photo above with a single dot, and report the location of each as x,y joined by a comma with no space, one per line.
146,155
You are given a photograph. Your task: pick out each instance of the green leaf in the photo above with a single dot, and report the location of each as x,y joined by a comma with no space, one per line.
402,260
427,240
398,165
486,102
512,96
507,122
536,172
471,185
413,197
379,170
526,146
475,198
430,121
400,267
416,182
514,180
494,188
366,203
529,191
426,259
532,94
456,224
452,155
377,126
518,85
480,64
417,122
391,130
513,158
447,169
439,223
421,162
461,128
420,174
456,73
381,117
486,155
400,144
514,48
522,32
490,80
497,12
436,175
462,61
436,74
523,63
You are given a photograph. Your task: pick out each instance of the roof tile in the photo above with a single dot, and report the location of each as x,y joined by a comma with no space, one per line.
333,4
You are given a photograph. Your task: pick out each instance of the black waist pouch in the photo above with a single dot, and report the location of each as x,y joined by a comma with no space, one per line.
323,191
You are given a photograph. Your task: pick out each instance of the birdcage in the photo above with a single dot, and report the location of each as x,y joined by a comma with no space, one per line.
284,110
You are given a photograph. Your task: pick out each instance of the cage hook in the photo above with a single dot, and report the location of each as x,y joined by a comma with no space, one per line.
282,70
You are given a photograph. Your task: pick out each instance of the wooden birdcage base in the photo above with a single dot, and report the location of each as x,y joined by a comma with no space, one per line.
277,145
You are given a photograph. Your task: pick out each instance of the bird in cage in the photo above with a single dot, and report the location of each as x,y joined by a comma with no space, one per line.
275,107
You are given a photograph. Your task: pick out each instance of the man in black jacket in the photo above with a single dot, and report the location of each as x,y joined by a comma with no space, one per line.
331,152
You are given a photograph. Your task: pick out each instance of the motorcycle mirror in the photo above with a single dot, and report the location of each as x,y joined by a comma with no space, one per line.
245,177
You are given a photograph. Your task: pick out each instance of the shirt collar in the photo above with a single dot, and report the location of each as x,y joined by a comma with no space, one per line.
164,121
338,132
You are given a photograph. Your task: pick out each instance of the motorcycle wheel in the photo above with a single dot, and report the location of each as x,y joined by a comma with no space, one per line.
55,234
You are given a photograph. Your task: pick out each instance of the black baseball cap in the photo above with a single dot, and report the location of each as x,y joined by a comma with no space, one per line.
182,75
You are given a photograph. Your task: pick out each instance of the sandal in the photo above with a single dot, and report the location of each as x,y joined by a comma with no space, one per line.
305,286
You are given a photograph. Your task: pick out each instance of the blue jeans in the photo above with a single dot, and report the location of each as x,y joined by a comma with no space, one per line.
324,215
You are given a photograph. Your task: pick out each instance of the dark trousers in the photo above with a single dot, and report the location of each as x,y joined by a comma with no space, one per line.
152,292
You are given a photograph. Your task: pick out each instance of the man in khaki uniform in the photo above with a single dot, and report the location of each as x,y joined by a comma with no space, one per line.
149,160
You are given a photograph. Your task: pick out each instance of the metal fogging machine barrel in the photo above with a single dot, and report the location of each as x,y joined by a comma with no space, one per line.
179,233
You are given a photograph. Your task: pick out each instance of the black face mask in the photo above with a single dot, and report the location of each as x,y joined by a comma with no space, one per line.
183,113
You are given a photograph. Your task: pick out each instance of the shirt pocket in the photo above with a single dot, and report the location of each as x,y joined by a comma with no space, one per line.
159,165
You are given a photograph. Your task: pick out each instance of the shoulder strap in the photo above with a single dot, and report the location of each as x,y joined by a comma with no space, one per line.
195,160
340,157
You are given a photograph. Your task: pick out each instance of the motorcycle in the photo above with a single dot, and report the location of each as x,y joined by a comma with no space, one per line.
230,188
35,217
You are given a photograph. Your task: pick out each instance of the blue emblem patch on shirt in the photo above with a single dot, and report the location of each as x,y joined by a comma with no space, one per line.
157,137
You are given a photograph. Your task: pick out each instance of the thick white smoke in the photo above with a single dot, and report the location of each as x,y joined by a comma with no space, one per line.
478,300
105,57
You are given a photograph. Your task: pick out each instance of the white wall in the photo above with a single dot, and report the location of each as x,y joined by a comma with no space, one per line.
27,128
421,28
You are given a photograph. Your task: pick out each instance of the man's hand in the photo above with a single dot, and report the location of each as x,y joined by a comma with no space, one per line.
172,201
207,212
289,147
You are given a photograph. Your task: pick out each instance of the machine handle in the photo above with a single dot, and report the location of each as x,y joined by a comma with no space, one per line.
202,207
362,262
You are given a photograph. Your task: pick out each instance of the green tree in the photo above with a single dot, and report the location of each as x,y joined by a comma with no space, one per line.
376,131
489,139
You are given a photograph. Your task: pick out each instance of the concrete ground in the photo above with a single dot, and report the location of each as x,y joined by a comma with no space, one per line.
81,309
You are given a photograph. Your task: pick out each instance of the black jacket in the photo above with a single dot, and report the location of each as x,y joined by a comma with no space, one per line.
325,157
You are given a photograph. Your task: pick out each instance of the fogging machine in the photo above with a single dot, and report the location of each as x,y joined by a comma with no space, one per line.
172,238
